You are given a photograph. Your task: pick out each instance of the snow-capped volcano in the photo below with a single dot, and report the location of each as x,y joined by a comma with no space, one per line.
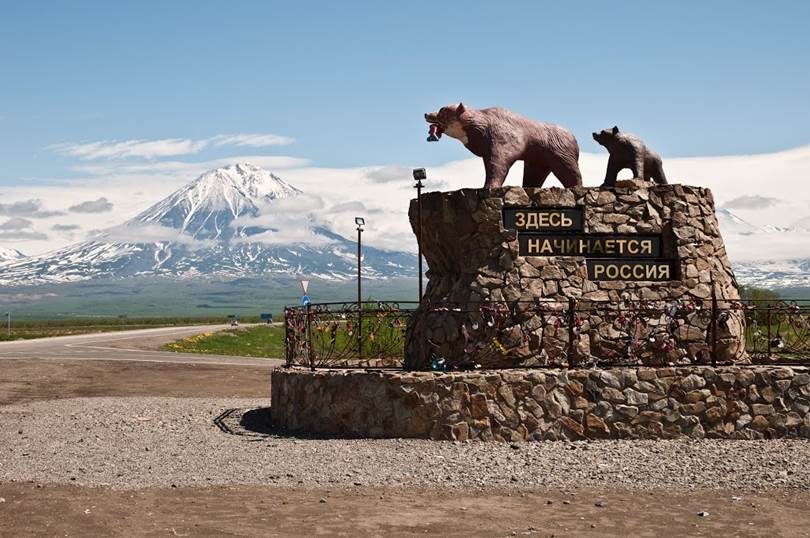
205,208
230,222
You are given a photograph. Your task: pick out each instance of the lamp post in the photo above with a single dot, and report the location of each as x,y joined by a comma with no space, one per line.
360,221
8,326
418,175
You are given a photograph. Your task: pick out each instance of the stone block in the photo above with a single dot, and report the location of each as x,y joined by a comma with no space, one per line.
762,409
633,397
627,410
572,426
476,405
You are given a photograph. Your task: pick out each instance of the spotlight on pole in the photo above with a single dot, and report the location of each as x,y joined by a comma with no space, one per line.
360,221
418,175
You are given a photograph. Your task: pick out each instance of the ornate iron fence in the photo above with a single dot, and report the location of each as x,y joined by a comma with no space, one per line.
778,331
544,333
575,334
370,335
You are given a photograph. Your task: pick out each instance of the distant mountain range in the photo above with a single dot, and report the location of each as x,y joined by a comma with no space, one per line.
217,226
731,223
211,228
782,273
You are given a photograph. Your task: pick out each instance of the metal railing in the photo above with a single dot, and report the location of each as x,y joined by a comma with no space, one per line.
370,335
550,333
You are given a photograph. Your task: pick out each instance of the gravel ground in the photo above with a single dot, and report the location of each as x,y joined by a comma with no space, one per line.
139,442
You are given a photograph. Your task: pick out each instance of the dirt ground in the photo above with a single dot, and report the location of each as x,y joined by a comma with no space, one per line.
33,509
23,380
255,511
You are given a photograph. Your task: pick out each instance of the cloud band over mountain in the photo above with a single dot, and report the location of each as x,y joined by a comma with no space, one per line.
166,147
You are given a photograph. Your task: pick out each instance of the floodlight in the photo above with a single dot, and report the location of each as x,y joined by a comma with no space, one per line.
360,221
419,174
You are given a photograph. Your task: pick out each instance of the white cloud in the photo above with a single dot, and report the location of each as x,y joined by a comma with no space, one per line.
389,174
767,246
289,234
19,229
26,208
355,207
189,170
102,205
65,227
15,223
147,233
290,220
21,235
166,147
295,206
748,201
252,140
145,149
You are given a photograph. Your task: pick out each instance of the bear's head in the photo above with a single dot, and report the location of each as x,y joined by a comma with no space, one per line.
448,120
606,136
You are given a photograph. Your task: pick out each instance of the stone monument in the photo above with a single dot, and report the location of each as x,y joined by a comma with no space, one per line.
571,277
624,291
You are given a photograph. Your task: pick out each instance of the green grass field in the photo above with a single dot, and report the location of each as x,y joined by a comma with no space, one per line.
259,341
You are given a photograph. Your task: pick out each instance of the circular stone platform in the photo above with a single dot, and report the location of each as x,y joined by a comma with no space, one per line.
516,405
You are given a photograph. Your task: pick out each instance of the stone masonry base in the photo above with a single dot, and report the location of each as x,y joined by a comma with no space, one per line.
517,405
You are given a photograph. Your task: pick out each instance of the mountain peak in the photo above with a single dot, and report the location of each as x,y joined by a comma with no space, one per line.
10,254
246,179
206,207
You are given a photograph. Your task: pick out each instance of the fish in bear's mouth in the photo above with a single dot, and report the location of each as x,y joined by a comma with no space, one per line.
435,132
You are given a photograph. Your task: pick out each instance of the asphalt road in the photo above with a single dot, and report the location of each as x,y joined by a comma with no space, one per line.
123,345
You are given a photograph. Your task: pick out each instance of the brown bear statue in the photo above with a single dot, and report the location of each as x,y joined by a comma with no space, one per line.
502,137
628,151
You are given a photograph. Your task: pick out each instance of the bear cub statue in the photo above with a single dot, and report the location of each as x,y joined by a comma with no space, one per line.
628,151
502,137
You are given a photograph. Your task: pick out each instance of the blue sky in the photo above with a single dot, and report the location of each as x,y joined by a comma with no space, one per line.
350,80
110,106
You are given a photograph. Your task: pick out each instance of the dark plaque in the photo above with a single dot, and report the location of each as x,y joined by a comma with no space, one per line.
590,245
554,219
636,270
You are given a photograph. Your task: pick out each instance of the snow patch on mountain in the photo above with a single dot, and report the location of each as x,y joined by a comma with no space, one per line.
774,274
10,254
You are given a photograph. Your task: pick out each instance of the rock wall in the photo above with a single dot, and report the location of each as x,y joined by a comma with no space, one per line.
517,405
474,260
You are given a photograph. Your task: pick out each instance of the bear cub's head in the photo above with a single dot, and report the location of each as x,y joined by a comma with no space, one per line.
606,136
